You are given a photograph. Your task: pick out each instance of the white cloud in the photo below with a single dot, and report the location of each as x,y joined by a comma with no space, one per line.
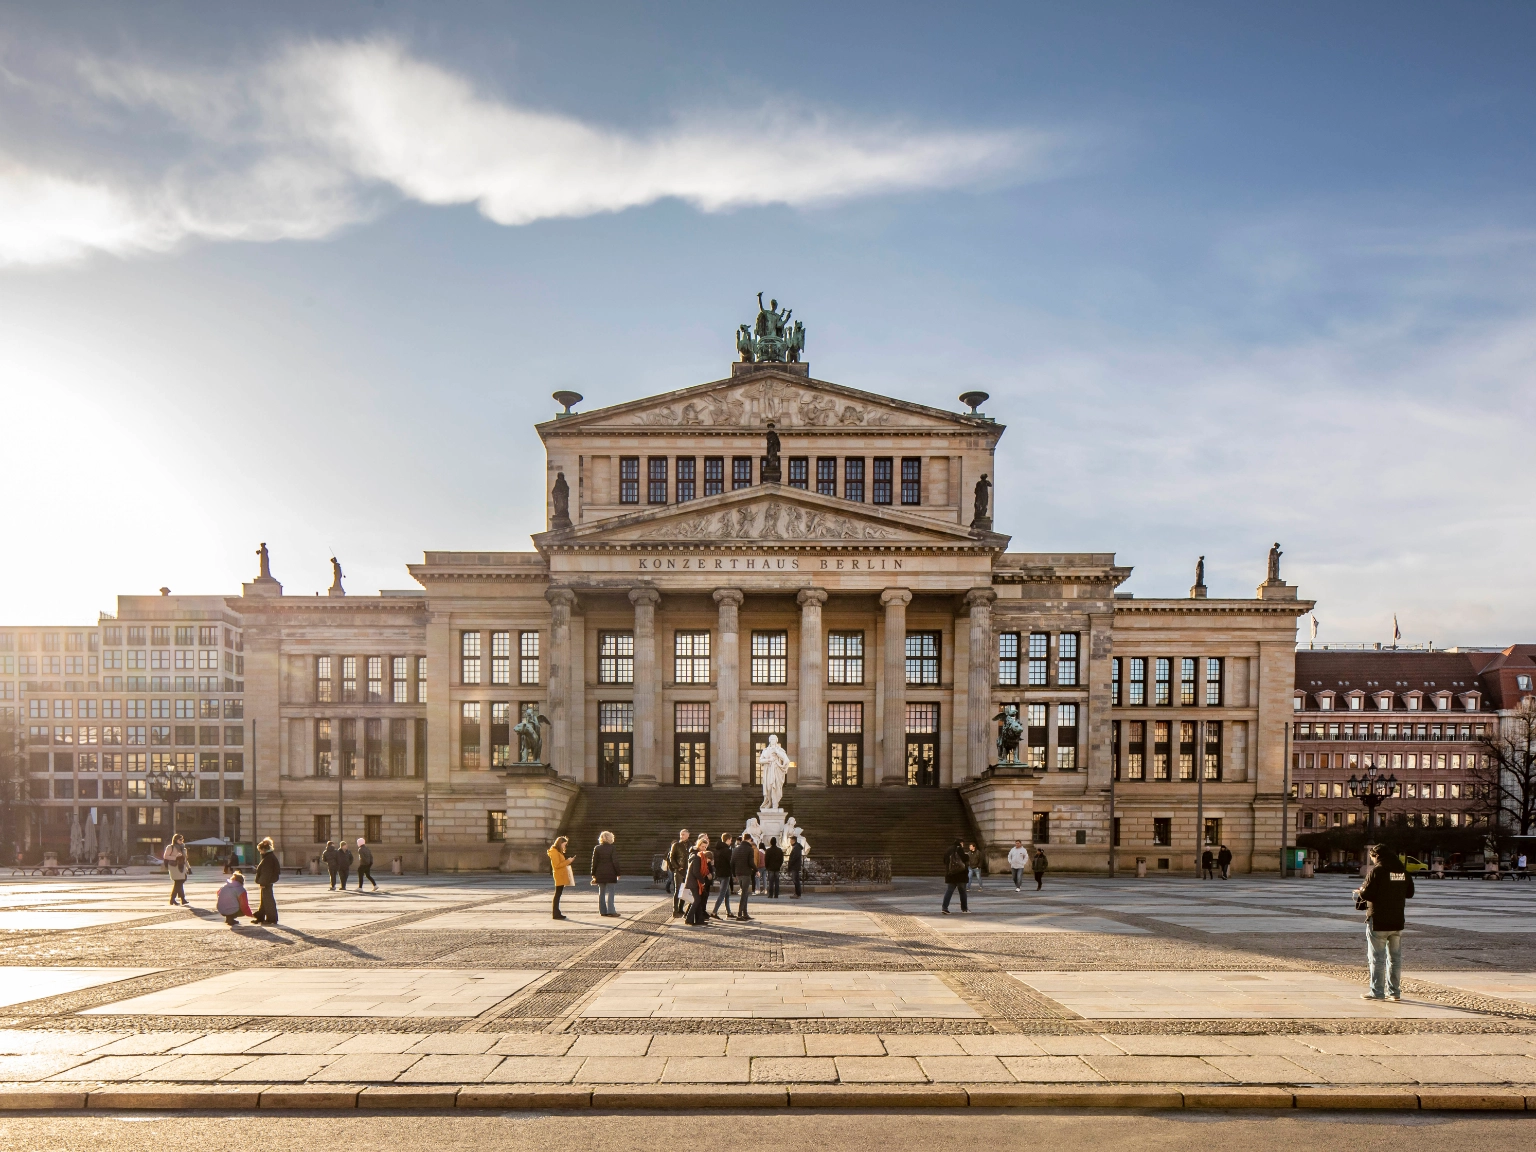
307,142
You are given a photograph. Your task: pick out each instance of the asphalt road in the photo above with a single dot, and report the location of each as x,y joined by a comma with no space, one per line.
971,1130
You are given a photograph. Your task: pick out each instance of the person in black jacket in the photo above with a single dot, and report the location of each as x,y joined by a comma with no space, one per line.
1384,895
365,864
1224,861
267,874
1207,865
722,874
796,859
343,863
329,859
677,864
744,868
696,881
957,871
773,860
605,873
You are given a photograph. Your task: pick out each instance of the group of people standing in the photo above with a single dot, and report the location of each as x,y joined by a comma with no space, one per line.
338,859
962,868
697,865
1210,861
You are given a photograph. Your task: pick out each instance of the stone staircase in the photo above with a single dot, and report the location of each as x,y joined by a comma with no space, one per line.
913,826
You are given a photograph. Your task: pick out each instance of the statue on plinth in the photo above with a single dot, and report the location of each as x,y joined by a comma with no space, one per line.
771,339
773,764
530,737
336,589
1273,576
1009,734
561,496
982,518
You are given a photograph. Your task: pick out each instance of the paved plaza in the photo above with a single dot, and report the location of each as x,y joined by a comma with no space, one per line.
467,981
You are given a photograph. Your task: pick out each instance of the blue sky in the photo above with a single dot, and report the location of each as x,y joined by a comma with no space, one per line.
1231,273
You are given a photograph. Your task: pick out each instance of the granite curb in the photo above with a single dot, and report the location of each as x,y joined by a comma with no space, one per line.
734,1097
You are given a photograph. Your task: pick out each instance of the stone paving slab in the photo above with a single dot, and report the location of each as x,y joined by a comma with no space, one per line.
1519,986
778,995
21,984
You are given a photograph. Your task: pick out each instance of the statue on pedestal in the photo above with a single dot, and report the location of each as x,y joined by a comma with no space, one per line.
1009,734
1274,565
530,737
982,518
561,496
336,589
773,763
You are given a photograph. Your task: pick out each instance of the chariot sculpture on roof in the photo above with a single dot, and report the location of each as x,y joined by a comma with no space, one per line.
771,339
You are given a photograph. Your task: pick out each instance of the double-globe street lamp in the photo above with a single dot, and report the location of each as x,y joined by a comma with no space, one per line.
172,787
1371,789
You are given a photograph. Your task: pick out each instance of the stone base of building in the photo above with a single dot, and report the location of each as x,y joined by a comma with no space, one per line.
537,801
1001,802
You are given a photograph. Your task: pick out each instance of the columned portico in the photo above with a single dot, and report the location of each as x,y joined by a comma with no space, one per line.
561,601
643,773
727,765
893,744
810,769
979,682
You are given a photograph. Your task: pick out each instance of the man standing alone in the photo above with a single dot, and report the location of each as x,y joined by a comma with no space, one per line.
1384,896
956,874
1040,865
796,859
1018,860
773,858
365,864
1224,862
744,867
677,861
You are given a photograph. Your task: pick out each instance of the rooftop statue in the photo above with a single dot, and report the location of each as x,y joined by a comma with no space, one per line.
771,339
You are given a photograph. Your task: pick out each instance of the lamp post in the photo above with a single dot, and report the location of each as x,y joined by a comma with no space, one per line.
1371,790
172,787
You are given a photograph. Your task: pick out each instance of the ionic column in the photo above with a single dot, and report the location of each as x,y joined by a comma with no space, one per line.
811,753
643,770
893,750
727,724
978,752
557,702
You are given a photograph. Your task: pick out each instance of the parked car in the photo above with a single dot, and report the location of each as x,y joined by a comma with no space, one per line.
1415,864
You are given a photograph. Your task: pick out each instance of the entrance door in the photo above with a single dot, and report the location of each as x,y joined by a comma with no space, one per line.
845,756
692,760
923,761
614,758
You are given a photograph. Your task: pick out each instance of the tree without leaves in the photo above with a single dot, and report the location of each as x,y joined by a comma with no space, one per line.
1507,775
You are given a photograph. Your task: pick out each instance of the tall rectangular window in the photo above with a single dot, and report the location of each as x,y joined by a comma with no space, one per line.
880,487
853,479
1162,831
1039,659
1162,750
1008,658
656,480
923,657
1162,684
1187,696
399,680
421,680
1186,749
324,685
527,657
1066,737
419,749
1137,687
373,748
501,657
770,659
1213,680
346,751
397,745
845,657
686,466
501,733
615,657
714,475
1114,680
629,479
1136,750
922,745
375,679
845,744
323,748
615,741
1035,737
911,480
348,679
690,726
826,475
799,472
741,472
469,658
469,734
1066,659
690,652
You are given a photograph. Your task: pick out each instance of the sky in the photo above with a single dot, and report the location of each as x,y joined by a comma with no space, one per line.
1231,274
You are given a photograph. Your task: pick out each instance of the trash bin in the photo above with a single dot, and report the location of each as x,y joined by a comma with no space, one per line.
397,865
1141,866
314,865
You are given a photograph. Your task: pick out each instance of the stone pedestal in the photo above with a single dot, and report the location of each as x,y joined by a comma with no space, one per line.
537,800
771,823
1002,804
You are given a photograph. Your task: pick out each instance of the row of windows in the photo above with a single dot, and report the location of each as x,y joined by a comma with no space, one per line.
208,636
1317,821
113,790
1390,731
373,828
47,665
48,641
503,719
1193,672
501,657
1034,654
184,709
109,735
166,659
882,483
383,752
1394,761
403,671
1410,789
66,763
1412,701
1164,760
769,659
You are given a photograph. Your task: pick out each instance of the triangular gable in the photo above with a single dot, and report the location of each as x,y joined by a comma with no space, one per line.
751,399
752,516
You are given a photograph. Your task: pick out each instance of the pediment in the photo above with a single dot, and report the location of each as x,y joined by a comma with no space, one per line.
771,514
752,399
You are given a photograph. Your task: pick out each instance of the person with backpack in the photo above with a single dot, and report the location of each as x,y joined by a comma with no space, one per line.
268,872
1383,898
957,872
365,864
232,900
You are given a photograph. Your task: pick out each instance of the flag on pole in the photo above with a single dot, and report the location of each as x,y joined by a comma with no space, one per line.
1313,642
1396,633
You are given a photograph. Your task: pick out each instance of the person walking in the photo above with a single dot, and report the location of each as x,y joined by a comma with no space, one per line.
957,872
605,873
1207,865
1018,860
677,861
720,871
1039,863
560,868
1224,862
773,861
330,857
232,900
1383,897
696,881
973,859
744,868
268,872
365,864
177,868
343,863
796,862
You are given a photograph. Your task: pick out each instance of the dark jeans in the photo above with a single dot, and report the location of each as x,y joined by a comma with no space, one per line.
178,890
725,897
950,890
555,907
344,874
365,870
746,890
773,885
1039,880
698,911
796,876
266,911
332,867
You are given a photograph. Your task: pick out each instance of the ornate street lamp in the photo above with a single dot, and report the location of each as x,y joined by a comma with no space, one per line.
172,787
1371,790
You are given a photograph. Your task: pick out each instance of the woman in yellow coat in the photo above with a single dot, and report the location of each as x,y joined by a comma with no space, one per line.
560,865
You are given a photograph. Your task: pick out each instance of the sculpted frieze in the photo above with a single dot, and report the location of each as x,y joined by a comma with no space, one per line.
754,405
769,521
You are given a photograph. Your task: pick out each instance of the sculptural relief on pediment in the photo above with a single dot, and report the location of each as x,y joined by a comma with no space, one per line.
754,404
770,520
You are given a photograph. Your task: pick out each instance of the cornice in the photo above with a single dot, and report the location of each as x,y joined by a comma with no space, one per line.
1193,607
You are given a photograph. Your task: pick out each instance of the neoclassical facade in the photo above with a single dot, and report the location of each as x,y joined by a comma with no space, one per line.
769,554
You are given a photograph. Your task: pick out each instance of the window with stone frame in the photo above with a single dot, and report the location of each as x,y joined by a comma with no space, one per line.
469,734
348,679
1162,831
1034,736
323,751
1136,750
373,748
1008,658
881,479
528,658
770,657
686,466
1162,681
469,658
826,475
1039,659
501,733
1213,681
615,657
1136,686
1162,750
399,680
714,475
421,679
799,472
741,472
501,657
1066,659
1115,668
375,679
629,479
923,652
853,479
397,746
911,480
845,657
1187,665
656,480
1066,737
495,825
690,657
1186,749
1213,749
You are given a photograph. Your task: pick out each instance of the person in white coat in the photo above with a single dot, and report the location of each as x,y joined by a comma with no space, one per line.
1018,861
